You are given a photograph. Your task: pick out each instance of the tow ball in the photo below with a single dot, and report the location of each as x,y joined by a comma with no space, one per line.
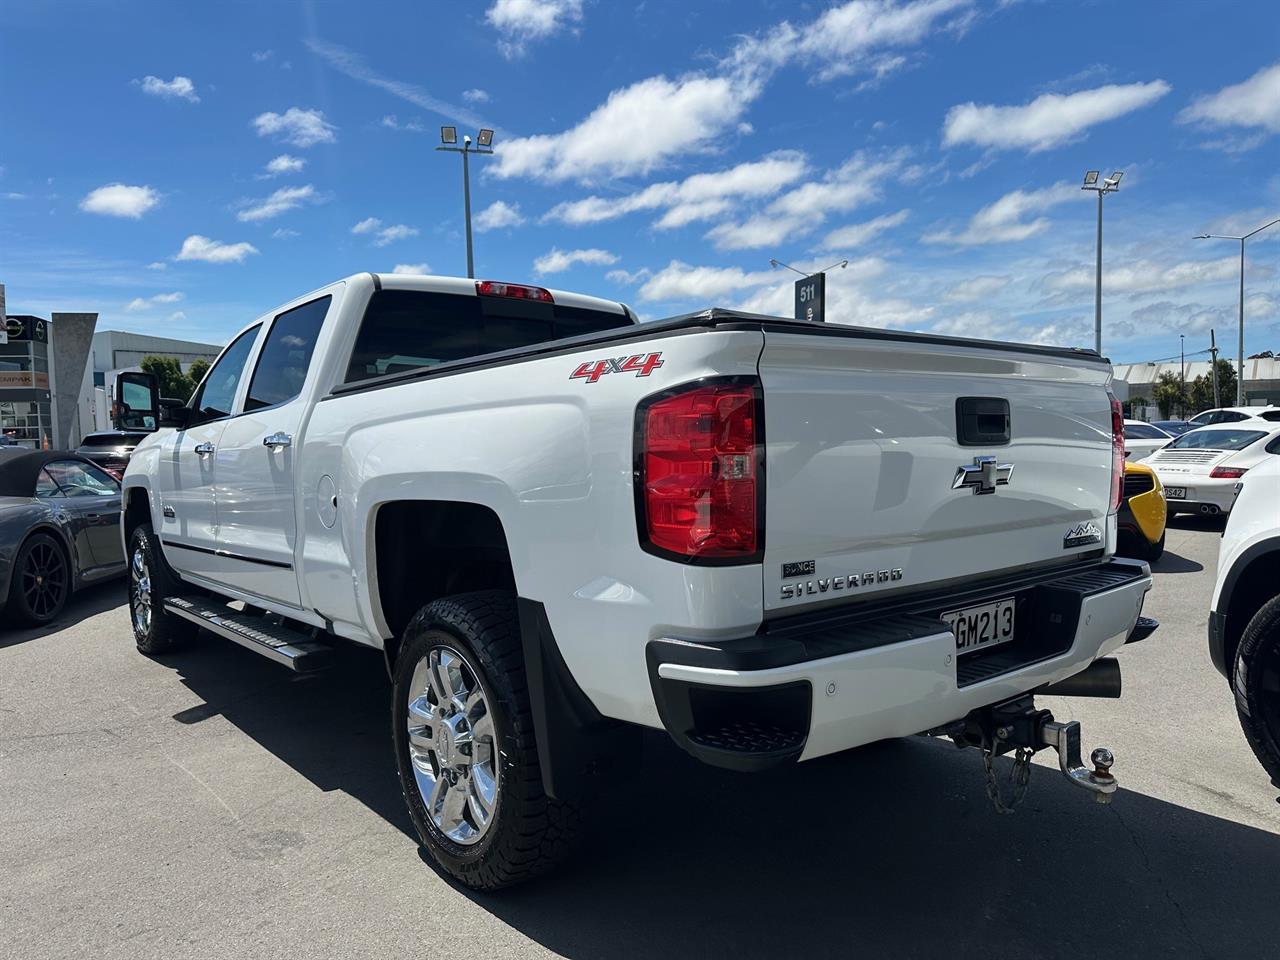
1018,727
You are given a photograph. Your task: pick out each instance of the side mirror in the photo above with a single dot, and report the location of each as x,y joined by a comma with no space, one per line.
137,402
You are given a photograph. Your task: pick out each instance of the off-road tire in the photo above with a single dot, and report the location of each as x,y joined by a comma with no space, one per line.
44,550
530,832
1257,662
166,631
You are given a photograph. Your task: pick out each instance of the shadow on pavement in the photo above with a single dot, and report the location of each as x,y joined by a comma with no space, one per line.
1171,562
888,851
83,604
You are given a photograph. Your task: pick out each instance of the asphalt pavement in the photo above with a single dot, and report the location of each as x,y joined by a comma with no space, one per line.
215,805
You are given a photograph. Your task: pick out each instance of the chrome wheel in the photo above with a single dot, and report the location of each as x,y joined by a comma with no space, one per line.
451,745
44,579
140,592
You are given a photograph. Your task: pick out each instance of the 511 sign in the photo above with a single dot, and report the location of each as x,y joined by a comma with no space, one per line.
811,297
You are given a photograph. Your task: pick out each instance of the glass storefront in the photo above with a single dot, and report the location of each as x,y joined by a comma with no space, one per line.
26,409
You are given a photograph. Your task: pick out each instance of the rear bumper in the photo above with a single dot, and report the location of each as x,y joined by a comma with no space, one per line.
1202,491
813,686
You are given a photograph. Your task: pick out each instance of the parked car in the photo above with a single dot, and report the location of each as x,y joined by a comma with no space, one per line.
1217,415
1244,617
1175,428
772,538
1199,469
111,449
1142,439
59,530
1143,514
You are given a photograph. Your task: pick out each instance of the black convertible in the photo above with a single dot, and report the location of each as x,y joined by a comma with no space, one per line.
59,531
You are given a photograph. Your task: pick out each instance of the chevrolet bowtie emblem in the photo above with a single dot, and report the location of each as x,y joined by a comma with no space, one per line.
984,475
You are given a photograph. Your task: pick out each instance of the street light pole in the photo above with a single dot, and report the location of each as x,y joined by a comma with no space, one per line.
1240,332
1213,353
484,140
1182,371
1109,185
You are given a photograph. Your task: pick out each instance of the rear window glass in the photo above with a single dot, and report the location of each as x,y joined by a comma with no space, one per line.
1141,431
113,440
408,329
1216,440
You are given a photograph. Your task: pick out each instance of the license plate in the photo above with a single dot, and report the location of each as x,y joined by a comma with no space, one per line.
1175,493
986,625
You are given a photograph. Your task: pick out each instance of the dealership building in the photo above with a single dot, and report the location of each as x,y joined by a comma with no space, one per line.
55,373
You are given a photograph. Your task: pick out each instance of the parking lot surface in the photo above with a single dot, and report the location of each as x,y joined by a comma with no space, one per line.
213,804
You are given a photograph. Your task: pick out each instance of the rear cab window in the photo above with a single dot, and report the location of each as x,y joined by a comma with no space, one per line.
406,330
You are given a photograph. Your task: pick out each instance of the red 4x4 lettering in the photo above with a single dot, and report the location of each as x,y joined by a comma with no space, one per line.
640,364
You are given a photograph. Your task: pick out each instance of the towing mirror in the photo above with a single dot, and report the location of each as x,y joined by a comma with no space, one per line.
137,402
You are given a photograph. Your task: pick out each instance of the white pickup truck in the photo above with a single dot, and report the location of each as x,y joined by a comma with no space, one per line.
773,539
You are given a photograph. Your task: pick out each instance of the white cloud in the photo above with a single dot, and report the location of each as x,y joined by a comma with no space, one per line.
699,197
1004,221
857,234
497,215
15,196
120,200
367,225
1048,120
398,231
196,247
801,210
681,281
302,128
557,261
629,277
136,304
351,64
476,95
282,201
177,316
262,56
978,288
522,21
636,130
1253,103
139,303
391,122
158,265
174,297
1140,276
848,302
284,233
412,269
179,88
284,164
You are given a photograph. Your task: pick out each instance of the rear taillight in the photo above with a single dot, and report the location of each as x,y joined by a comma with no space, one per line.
1227,473
1117,452
699,483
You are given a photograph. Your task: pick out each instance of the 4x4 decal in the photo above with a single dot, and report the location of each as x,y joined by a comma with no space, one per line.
641,365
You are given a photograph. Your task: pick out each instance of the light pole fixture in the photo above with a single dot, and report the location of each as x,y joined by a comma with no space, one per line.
1240,341
484,145
1109,185
811,290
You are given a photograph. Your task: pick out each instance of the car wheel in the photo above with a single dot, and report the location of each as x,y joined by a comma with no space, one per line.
1257,686
465,747
41,580
151,582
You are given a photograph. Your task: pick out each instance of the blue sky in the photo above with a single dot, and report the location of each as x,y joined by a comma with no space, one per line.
183,167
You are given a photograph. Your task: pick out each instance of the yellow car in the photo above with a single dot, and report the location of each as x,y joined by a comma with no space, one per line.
1143,513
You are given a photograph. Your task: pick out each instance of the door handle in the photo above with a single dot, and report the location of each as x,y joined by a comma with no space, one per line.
277,441
204,449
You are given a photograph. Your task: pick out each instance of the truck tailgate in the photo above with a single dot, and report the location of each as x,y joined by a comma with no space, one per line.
863,454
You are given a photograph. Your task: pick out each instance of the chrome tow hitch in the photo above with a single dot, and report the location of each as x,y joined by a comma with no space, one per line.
1018,727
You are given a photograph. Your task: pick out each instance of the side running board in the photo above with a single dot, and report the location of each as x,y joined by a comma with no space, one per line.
297,651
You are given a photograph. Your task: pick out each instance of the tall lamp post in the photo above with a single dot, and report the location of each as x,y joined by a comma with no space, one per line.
1240,342
1109,185
484,145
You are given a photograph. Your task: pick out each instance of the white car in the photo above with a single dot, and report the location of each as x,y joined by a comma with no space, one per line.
1208,418
1244,617
1200,469
1142,439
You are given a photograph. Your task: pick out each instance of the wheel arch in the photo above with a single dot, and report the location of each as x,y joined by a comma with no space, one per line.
1249,584
136,508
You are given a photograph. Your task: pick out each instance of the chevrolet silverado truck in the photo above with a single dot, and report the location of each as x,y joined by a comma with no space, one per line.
773,539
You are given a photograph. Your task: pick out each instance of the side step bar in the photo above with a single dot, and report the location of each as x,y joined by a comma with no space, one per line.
297,651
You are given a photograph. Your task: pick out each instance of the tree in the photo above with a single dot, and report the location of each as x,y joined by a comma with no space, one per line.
1202,388
1168,394
1264,355
168,372
197,371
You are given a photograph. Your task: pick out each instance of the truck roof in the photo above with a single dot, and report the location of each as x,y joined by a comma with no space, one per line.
467,287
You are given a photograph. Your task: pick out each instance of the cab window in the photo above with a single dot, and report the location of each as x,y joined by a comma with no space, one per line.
218,392
286,355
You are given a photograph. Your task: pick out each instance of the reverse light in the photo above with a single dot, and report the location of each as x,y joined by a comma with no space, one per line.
1227,473
516,291
1117,452
699,485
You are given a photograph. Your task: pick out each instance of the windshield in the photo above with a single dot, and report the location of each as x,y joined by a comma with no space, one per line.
1216,440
